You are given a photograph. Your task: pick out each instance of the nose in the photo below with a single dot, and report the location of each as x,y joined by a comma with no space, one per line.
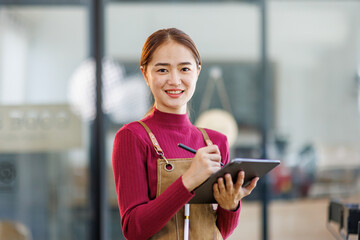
174,79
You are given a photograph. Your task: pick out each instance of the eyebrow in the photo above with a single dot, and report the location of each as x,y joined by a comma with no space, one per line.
168,64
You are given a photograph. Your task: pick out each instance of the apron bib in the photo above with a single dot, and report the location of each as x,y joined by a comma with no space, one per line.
202,216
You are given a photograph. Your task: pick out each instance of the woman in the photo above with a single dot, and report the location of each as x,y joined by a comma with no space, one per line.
154,178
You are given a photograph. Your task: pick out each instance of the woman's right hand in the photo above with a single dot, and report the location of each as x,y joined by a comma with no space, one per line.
206,162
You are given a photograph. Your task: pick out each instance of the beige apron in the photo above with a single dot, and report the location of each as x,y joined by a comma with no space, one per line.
202,216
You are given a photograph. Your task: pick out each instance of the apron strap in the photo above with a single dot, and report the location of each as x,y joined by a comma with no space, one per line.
153,140
206,137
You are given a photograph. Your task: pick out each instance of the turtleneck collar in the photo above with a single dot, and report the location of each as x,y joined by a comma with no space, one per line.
169,119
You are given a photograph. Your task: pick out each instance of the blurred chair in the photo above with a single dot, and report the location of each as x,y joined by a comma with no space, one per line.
11,230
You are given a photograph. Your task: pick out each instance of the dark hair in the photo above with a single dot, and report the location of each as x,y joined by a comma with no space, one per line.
162,36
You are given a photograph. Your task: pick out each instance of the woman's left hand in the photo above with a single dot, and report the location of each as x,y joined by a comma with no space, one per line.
229,195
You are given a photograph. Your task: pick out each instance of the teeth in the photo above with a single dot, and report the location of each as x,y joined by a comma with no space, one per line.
174,92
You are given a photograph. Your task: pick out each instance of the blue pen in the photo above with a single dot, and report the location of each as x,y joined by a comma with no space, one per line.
191,150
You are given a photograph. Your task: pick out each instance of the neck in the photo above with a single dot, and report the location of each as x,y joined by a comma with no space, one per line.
181,110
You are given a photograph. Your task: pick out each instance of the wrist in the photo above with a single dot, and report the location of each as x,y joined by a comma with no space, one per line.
236,208
231,207
187,183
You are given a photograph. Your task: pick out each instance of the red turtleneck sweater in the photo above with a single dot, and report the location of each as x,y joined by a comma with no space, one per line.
134,166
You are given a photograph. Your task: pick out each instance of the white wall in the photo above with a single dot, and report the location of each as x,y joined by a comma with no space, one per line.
316,47
13,56
227,31
56,44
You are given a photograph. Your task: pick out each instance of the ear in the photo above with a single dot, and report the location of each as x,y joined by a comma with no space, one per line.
144,74
199,70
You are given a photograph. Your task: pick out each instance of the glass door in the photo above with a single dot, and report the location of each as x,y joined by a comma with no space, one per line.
46,104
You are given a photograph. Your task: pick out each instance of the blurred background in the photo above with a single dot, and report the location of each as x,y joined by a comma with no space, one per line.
282,76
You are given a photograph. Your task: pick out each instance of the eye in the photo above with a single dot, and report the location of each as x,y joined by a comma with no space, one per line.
185,69
162,70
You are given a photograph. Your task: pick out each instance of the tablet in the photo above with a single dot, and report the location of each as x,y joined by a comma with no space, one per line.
251,167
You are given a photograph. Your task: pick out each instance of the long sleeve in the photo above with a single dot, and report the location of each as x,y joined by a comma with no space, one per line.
227,220
141,217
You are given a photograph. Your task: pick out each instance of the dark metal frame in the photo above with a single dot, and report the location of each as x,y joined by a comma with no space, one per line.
98,193
43,2
86,2
265,111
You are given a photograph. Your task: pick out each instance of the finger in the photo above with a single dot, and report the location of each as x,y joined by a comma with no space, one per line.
207,157
216,190
229,182
253,183
212,149
221,185
215,149
214,157
214,168
239,181
251,186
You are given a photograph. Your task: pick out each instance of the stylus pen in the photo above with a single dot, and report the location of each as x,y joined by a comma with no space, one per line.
192,150
186,221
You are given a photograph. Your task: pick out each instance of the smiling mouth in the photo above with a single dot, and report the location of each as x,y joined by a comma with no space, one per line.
174,91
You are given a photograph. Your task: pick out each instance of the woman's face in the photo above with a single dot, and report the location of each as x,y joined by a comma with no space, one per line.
171,75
